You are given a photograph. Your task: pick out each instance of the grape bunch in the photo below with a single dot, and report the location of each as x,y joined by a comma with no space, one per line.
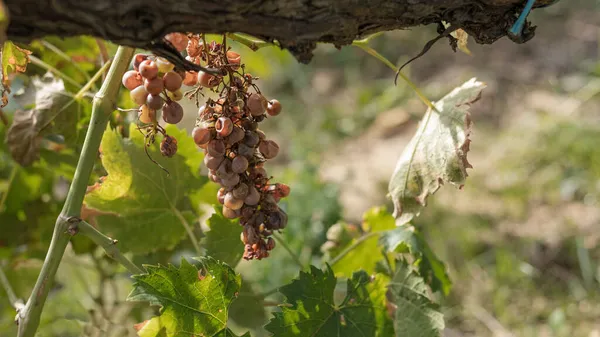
155,86
226,130
235,148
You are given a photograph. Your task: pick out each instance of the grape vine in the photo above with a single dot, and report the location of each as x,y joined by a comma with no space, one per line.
226,130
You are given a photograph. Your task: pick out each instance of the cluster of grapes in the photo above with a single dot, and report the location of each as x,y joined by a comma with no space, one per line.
235,149
155,85
226,129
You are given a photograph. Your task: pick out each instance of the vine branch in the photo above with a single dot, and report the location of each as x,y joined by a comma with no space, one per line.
109,245
28,318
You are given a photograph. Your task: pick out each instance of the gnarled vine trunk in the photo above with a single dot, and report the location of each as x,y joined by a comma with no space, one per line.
297,24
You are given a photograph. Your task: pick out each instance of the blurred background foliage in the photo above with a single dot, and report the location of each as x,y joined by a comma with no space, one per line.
520,240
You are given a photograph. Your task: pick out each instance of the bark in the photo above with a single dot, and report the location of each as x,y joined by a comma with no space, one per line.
297,24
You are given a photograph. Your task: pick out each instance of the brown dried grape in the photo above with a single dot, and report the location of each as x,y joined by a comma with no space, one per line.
249,124
232,202
274,107
245,151
234,59
256,104
154,86
132,79
268,148
270,244
172,81
224,126
207,80
172,112
253,196
229,213
237,134
231,181
212,162
221,195
194,47
168,146
154,102
216,147
148,69
282,189
251,138
239,164
241,191
201,135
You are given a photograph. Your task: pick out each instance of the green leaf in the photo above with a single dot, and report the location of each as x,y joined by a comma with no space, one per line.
314,313
436,154
222,241
248,310
406,239
193,302
14,60
55,112
415,315
144,208
365,253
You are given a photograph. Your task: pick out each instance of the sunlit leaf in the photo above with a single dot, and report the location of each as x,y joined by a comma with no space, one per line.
314,313
365,253
437,153
193,302
14,60
415,315
222,241
55,112
144,208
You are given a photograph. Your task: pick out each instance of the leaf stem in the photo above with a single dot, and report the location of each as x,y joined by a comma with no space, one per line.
109,245
188,229
28,319
12,297
287,248
51,69
249,42
364,46
351,247
92,80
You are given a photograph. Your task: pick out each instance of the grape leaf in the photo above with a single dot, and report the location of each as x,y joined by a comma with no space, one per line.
222,241
406,239
55,112
365,254
14,60
415,315
436,154
193,302
314,313
248,309
143,207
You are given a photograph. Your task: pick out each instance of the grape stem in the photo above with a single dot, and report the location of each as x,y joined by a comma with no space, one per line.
108,244
16,302
295,258
351,248
28,318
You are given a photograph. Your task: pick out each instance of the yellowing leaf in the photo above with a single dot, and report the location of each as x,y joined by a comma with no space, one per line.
436,154
463,39
14,60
